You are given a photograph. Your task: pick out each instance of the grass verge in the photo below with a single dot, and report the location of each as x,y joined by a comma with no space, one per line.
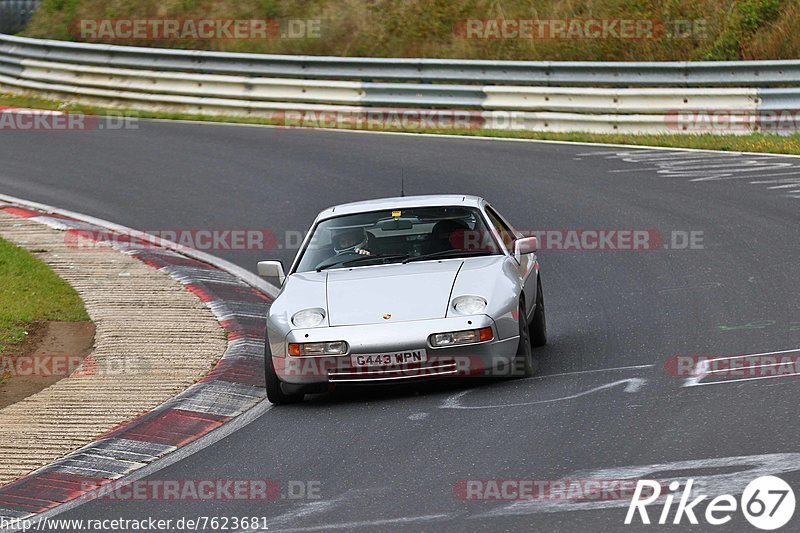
755,142
682,29
31,292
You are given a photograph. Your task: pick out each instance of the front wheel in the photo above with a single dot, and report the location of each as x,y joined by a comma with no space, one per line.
275,393
523,361
538,329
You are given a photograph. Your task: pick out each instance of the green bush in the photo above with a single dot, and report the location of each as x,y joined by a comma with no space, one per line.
736,29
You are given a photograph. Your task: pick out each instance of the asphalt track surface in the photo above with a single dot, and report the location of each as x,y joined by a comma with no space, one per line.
389,459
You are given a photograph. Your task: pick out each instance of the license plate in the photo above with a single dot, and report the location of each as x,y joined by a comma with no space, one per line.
389,359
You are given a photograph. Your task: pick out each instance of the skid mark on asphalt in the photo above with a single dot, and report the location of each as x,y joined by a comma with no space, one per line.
696,167
700,286
731,477
371,523
595,371
713,475
631,385
290,520
297,513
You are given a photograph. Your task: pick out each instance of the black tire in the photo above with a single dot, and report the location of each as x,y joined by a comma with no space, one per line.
275,393
523,361
538,329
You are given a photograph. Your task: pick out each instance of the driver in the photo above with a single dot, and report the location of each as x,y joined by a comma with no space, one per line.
351,240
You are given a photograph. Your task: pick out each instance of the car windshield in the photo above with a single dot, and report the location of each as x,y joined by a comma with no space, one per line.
397,235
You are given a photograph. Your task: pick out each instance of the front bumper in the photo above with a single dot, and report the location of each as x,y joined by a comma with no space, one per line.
452,361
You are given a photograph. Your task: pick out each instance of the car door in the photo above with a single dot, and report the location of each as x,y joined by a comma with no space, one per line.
526,263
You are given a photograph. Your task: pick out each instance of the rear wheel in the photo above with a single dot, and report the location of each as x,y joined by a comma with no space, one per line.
275,393
538,329
523,361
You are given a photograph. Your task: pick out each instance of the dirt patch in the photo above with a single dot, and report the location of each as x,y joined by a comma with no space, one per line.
51,352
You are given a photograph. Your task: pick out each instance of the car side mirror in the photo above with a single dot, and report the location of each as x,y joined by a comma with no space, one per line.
271,269
526,245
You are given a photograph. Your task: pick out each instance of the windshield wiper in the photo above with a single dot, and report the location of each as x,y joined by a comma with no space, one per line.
447,253
360,259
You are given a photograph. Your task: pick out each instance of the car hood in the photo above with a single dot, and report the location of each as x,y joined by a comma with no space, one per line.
414,291
390,293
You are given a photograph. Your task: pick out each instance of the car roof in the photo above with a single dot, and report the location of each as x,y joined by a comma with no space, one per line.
402,202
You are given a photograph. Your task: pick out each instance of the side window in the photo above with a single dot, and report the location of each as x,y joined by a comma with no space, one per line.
506,233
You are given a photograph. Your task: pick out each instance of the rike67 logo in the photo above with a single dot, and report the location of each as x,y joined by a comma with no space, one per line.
767,503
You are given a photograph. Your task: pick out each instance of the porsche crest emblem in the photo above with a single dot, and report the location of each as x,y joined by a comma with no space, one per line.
387,316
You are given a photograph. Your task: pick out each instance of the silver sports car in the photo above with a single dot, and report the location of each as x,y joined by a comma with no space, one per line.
404,288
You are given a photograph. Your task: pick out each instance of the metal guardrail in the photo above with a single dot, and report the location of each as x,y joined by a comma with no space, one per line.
543,96
540,73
